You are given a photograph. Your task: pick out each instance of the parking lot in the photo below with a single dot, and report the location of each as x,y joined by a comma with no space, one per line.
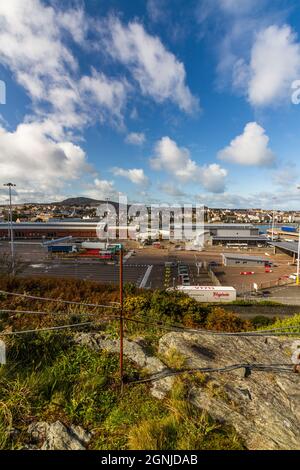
280,272
163,263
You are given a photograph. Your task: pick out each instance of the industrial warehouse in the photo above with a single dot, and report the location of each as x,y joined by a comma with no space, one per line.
236,260
217,234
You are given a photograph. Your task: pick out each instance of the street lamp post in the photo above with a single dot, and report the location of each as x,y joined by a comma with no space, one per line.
273,223
298,259
10,186
273,218
107,234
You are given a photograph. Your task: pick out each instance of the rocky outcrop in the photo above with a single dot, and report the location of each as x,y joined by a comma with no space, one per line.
264,408
136,351
57,436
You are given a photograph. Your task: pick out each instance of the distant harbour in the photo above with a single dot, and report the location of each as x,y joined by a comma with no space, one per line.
264,227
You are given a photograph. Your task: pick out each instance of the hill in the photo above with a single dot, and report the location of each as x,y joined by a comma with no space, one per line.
79,201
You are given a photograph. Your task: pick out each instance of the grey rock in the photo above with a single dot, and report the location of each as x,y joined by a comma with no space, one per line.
57,436
136,351
263,407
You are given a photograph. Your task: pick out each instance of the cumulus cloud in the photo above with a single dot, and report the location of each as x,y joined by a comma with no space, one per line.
250,148
101,189
35,45
109,94
30,158
136,138
158,72
177,161
135,175
285,200
29,31
258,55
275,64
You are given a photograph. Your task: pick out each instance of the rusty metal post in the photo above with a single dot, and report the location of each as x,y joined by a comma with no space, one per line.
121,318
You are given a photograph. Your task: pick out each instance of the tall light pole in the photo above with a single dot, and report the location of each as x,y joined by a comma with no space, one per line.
273,219
10,186
298,260
107,234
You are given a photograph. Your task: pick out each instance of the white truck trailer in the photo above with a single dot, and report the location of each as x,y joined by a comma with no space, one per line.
209,294
93,245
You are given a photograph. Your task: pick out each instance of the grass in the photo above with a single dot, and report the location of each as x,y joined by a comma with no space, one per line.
184,427
80,386
48,377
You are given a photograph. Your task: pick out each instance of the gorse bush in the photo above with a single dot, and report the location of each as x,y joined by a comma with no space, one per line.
176,308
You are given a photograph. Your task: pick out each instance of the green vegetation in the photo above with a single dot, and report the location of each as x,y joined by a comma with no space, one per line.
286,322
48,377
183,427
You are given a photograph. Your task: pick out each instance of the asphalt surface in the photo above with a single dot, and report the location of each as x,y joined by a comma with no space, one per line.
38,263
105,274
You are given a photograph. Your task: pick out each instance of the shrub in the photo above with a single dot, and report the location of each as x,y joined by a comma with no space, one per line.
220,320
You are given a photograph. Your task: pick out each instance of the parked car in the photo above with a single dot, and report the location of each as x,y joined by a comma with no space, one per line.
266,293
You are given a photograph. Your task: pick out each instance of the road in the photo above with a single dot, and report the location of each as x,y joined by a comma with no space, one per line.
288,295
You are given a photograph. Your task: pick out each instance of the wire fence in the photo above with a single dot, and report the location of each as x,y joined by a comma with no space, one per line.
114,305
280,331
208,370
289,330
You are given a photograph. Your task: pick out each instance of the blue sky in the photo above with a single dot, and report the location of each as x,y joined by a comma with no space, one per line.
161,100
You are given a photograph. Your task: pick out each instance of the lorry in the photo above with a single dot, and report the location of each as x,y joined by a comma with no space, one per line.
93,245
208,294
62,249
288,228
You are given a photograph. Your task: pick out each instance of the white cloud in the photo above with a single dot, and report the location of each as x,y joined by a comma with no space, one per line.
109,94
104,186
29,31
136,138
213,177
156,10
31,159
237,6
158,72
249,148
172,190
257,53
101,190
177,161
135,175
284,200
275,64
286,176
33,45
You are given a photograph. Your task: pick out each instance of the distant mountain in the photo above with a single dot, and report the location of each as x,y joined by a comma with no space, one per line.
79,201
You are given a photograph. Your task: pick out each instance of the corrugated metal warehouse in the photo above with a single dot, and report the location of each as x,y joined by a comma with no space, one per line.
232,259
